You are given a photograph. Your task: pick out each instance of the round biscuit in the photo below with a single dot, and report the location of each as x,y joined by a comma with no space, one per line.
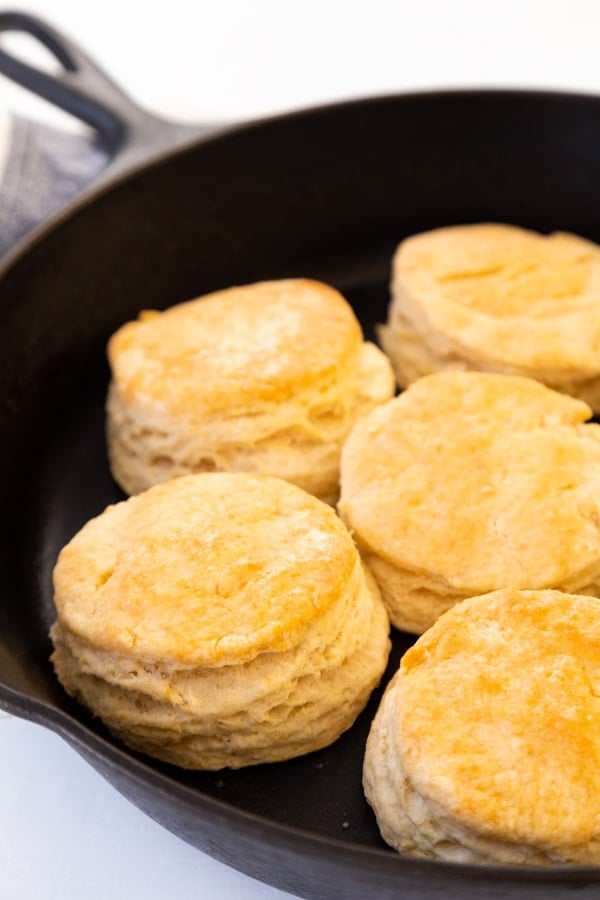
485,747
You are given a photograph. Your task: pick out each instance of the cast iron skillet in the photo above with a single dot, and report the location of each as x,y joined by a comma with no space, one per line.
325,193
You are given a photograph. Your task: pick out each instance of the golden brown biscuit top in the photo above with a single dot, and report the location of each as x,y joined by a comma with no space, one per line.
508,292
498,715
206,569
261,341
480,481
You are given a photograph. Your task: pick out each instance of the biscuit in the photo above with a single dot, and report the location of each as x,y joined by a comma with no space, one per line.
500,299
265,378
469,482
486,745
219,620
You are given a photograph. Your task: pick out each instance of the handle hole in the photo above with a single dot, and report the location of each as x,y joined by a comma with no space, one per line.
27,49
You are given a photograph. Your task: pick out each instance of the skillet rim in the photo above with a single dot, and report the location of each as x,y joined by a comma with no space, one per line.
114,175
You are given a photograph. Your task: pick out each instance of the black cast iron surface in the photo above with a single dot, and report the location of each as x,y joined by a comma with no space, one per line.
327,194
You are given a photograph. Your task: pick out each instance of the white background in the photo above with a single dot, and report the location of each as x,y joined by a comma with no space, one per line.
64,833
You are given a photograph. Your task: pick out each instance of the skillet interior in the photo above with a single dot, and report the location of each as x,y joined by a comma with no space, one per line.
324,194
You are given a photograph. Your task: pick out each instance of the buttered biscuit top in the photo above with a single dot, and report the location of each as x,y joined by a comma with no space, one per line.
204,572
267,377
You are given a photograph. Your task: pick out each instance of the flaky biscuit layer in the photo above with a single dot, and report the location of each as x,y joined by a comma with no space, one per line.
270,710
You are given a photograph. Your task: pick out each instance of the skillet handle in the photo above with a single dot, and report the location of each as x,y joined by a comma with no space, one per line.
86,92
